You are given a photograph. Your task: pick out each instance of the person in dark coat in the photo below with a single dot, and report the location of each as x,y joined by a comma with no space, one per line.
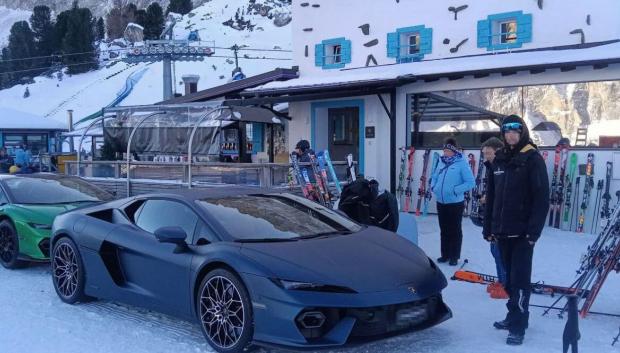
517,205
489,148
303,151
449,182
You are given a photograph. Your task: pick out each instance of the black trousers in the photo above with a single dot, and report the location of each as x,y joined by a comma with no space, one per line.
517,254
450,218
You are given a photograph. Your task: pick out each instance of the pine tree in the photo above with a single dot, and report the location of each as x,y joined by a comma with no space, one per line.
182,7
118,17
141,17
21,48
154,21
26,92
78,38
100,29
5,67
43,30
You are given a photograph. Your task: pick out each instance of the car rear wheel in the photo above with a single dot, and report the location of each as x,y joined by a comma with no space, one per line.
68,272
9,246
225,312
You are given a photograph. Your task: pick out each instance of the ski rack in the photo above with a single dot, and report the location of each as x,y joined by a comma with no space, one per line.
602,257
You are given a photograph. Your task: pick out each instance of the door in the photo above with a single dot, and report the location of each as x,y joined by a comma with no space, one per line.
343,132
153,275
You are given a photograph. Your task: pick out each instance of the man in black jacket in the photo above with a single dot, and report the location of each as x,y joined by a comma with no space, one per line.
517,206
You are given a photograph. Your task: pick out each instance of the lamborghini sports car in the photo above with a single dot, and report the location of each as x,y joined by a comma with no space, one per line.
250,266
28,205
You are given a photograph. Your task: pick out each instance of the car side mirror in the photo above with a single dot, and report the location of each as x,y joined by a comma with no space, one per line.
172,235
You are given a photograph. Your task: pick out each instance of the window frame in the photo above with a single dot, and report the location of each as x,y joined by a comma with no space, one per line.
399,43
491,36
333,53
504,36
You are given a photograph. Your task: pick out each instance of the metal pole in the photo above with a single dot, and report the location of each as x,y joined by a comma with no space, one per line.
191,142
167,77
133,131
79,151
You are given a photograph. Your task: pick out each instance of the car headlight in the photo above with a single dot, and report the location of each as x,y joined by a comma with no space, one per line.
40,226
312,287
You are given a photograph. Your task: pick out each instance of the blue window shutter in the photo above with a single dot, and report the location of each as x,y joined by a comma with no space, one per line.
257,137
346,51
319,53
484,34
524,28
392,45
426,41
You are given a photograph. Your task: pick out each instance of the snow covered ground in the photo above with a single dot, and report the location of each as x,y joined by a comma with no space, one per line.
33,319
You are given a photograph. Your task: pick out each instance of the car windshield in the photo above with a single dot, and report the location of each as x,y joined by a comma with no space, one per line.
276,217
43,191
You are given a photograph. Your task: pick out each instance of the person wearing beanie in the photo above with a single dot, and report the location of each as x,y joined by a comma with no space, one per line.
449,182
517,204
497,289
303,151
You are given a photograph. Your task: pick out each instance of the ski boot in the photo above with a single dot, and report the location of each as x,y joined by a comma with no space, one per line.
515,339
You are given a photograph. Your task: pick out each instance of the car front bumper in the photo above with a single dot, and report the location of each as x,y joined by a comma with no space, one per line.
313,320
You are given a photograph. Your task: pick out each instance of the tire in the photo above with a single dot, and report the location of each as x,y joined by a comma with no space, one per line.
214,316
68,272
9,246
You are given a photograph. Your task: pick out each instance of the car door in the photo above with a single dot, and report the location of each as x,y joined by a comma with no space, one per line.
154,275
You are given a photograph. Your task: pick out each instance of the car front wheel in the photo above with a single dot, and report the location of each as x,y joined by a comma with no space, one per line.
9,246
225,312
68,272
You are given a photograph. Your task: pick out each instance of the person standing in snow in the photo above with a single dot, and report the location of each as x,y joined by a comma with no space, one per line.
489,148
303,151
517,206
23,157
5,161
450,180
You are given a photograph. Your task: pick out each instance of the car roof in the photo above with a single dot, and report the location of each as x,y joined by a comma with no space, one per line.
212,192
37,176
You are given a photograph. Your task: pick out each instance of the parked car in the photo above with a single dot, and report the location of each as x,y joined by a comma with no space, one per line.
251,267
28,205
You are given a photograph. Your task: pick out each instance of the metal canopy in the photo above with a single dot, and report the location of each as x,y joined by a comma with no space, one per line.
435,107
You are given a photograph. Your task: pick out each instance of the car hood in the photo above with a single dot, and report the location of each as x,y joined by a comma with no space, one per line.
371,260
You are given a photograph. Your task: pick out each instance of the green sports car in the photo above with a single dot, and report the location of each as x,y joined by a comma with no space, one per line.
28,206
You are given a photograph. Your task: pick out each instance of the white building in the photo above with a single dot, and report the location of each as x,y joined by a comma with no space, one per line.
372,73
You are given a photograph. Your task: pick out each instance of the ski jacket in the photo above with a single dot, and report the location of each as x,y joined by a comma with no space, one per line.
517,195
450,181
22,157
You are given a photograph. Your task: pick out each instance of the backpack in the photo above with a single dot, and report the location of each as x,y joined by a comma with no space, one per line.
360,201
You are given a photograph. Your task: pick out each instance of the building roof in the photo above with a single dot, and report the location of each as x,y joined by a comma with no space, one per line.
235,87
11,119
566,57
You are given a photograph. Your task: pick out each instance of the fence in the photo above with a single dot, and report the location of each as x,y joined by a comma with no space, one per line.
145,177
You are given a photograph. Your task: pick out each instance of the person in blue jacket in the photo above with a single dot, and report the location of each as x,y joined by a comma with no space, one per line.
450,180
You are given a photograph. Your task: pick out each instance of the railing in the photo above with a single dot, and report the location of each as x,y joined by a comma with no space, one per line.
177,174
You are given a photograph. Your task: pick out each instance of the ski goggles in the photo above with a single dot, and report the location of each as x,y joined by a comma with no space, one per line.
512,126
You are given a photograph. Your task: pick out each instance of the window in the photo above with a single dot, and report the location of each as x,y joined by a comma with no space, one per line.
54,191
508,32
505,31
3,199
36,143
279,216
333,53
410,43
155,214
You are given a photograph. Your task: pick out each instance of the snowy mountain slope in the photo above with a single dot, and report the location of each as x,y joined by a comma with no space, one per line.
9,16
89,92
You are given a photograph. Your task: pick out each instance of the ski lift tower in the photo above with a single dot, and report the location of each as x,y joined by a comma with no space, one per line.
167,49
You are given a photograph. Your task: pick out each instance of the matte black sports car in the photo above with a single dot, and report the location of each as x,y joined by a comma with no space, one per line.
250,266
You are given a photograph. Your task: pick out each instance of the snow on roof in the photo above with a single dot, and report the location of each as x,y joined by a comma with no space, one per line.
133,24
15,119
449,66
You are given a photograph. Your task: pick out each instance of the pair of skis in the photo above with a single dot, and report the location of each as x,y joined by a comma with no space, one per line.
537,288
477,209
471,159
321,165
558,183
587,191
